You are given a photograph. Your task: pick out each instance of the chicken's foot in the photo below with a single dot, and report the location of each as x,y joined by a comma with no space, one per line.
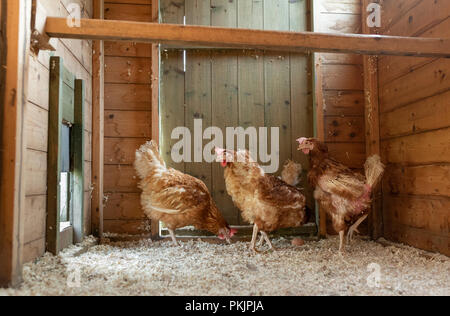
261,241
172,235
254,236
266,237
354,228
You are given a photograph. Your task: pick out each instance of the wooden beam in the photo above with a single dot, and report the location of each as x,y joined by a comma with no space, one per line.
208,36
372,123
97,127
12,143
155,98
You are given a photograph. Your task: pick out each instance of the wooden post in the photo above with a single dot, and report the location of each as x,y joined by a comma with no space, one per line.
319,129
155,98
372,124
15,16
97,127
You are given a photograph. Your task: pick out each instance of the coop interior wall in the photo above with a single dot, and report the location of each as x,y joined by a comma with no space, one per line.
341,87
77,56
128,119
235,87
414,98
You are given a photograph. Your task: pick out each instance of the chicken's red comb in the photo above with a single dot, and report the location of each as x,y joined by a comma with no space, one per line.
233,231
301,140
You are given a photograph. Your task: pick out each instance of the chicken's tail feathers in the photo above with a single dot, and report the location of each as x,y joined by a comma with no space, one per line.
374,170
291,173
148,159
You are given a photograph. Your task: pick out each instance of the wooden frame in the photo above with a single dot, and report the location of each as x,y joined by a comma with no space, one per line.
155,98
66,103
372,123
207,36
98,113
12,144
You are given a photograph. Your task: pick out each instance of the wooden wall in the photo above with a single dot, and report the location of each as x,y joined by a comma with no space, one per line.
415,129
231,88
77,57
127,119
340,85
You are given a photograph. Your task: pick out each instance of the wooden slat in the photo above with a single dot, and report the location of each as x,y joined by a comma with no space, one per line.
128,97
430,214
122,150
56,97
333,77
343,103
344,129
424,148
120,179
421,83
198,106
127,12
250,39
98,93
155,73
13,94
224,114
127,124
78,150
429,180
372,125
127,70
172,103
124,206
427,114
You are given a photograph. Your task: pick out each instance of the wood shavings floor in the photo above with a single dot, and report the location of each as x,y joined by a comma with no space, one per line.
200,268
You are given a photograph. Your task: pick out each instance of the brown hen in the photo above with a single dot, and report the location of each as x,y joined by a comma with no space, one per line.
175,198
265,201
345,195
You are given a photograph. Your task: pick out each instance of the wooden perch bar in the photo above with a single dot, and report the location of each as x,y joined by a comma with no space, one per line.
203,36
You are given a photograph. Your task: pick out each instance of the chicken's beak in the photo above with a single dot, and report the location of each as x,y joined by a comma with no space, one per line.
304,145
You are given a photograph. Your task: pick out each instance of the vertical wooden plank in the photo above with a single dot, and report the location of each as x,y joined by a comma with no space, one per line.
277,80
301,94
14,64
251,14
154,225
97,127
318,112
172,85
198,90
224,100
54,159
372,123
78,161
224,114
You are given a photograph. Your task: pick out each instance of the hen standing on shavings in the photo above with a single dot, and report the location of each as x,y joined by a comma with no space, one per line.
176,199
344,194
265,201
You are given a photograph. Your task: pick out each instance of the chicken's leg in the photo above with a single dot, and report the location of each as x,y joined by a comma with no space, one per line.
266,237
354,228
341,241
254,236
172,235
261,241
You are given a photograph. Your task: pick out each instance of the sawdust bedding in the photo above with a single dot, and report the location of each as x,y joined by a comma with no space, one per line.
201,268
